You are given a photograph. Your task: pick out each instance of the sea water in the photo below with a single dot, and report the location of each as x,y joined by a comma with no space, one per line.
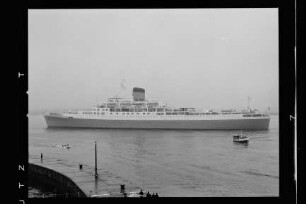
172,163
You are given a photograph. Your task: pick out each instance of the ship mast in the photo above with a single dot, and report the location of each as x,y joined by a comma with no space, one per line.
122,87
248,107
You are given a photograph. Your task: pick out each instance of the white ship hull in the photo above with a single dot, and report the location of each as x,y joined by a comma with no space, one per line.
198,124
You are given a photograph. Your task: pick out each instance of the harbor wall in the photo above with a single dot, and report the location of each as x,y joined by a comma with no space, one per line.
42,176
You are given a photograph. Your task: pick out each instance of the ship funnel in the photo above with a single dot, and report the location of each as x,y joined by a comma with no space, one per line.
138,94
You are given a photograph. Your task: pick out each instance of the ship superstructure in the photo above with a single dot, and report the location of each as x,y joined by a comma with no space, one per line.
139,113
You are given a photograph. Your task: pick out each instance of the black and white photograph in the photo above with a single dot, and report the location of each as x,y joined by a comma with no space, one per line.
153,103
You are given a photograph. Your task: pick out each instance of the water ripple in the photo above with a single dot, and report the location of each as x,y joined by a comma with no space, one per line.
259,174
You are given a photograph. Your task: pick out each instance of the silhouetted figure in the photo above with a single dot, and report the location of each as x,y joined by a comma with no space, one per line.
81,166
141,192
122,188
41,156
148,194
156,195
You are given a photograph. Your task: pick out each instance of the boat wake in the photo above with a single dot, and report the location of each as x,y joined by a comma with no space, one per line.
259,174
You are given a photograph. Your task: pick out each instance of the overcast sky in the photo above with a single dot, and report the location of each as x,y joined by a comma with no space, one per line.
203,58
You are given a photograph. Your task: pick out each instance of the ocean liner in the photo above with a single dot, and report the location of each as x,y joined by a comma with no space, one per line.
139,113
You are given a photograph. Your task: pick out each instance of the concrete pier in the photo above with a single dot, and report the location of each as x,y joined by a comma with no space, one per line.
42,176
105,185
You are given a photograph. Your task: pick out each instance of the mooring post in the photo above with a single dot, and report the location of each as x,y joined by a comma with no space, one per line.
96,173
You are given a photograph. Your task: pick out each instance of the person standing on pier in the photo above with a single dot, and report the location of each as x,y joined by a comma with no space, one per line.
148,195
41,156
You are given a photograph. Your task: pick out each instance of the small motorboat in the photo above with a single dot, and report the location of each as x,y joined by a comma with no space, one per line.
240,138
66,146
